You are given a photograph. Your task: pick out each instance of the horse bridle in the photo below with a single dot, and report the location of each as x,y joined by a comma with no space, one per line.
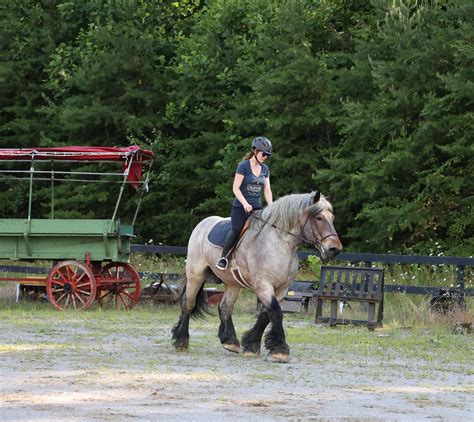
317,242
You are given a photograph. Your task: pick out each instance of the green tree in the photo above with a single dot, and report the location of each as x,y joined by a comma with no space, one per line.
251,68
403,165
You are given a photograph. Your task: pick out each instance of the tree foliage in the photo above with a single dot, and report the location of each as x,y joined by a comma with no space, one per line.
368,101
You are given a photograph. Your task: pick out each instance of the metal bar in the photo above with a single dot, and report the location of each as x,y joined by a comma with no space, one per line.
145,187
52,194
397,259
173,250
70,180
420,290
122,187
31,191
87,173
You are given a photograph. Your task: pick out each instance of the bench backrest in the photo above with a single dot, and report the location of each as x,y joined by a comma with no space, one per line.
351,282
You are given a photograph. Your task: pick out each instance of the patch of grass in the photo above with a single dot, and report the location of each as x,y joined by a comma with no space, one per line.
158,263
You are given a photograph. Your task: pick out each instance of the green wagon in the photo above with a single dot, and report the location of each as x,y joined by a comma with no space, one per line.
91,256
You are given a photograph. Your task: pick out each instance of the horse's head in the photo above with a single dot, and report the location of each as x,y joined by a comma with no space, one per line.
317,227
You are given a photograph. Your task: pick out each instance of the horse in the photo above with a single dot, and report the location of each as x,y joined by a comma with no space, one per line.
265,260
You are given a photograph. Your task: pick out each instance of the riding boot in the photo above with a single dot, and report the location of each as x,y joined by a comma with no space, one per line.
228,245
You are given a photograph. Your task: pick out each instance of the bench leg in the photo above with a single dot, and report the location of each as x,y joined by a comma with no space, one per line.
319,310
305,303
333,314
371,323
380,314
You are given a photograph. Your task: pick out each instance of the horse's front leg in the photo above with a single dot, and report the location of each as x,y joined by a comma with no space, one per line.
227,334
252,338
275,340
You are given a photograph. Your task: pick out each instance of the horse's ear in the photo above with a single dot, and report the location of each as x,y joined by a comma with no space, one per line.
330,198
317,195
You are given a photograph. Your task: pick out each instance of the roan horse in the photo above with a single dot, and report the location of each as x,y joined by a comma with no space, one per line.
265,261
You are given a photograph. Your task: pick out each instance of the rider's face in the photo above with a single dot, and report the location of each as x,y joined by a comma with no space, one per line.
262,155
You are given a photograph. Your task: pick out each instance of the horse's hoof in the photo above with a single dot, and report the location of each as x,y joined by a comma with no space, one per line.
280,357
249,354
235,348
181,345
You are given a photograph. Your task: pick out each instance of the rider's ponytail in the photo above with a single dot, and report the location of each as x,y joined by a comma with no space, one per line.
248,156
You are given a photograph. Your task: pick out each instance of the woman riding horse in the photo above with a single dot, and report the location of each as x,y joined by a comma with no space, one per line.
265,260
250,178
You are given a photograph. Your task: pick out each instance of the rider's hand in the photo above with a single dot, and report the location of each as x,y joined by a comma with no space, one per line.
248,208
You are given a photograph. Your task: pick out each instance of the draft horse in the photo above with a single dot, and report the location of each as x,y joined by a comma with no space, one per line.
265,261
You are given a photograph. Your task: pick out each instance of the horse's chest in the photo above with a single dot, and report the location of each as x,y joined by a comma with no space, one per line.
251,273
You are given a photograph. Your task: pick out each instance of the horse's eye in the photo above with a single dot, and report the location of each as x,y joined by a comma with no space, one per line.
319,218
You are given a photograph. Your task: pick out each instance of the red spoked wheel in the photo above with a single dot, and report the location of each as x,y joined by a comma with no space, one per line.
71,284
120,286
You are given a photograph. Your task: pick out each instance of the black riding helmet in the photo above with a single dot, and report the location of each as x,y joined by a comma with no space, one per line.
262,144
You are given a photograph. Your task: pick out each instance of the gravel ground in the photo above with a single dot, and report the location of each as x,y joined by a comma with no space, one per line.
100,366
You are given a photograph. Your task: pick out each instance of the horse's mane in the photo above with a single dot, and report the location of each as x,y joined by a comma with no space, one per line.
286,211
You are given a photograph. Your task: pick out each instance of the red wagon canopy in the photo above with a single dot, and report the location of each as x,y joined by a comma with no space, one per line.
132,157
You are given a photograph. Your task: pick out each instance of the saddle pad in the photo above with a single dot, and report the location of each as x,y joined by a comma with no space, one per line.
219,232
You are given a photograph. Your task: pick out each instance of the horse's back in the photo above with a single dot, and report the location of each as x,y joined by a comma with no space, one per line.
199,235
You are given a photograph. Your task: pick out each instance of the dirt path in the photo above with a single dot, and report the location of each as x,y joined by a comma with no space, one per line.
100,366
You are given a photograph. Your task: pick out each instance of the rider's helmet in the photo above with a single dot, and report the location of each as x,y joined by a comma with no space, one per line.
262,144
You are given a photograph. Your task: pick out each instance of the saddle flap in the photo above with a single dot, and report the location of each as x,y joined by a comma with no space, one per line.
218,233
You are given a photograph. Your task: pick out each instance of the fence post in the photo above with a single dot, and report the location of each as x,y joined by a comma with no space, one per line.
459,277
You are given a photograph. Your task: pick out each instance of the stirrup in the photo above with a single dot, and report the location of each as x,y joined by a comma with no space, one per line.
222,264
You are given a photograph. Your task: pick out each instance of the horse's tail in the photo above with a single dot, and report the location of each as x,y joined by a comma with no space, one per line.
200,308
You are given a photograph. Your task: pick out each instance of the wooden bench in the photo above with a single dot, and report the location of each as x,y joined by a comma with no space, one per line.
345,284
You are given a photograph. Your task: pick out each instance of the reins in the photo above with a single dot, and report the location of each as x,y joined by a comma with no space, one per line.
316,242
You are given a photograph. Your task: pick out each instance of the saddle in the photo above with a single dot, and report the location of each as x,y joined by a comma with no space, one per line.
219,232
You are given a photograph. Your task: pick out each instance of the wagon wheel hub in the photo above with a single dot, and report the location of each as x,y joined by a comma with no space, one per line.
115,287
68,288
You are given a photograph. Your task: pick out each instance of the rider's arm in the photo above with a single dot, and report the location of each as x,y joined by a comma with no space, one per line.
238,179
267,191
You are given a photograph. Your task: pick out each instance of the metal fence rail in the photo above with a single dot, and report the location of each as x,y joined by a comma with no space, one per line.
368,259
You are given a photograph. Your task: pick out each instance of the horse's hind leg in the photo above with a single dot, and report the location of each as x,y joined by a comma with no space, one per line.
193,303
227,334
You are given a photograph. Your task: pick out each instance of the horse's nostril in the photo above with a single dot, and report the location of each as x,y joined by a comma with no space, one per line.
334,251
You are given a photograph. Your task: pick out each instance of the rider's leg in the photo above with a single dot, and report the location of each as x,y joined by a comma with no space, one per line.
238,218
230,240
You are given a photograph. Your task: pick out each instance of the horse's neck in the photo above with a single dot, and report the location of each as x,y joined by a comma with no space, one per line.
268,233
